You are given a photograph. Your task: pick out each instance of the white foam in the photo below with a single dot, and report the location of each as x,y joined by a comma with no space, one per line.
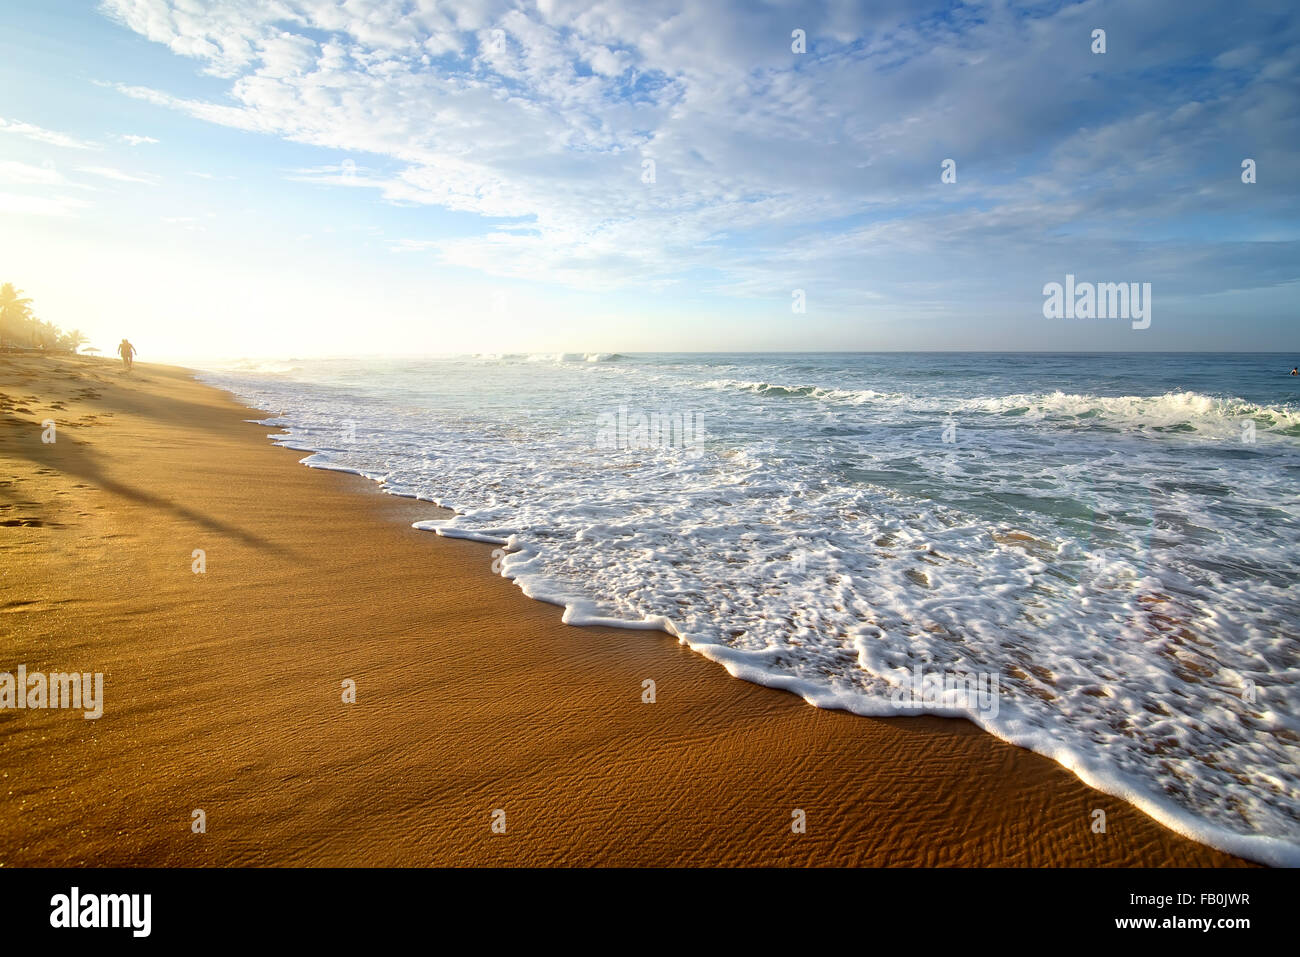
1218,417
853,396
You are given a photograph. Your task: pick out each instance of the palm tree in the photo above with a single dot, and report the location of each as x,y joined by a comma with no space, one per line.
15,314
46,333
72,341
18,324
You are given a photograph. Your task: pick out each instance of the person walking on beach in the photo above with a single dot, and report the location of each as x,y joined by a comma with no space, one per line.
127,352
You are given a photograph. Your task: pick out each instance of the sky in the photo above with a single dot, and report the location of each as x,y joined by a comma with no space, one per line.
332,177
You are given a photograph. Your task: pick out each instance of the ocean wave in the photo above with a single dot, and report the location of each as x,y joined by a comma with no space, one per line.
545,357
1187,411
256,366
1179,411
801,391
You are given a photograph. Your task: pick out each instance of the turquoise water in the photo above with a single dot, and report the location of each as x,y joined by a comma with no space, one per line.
1110,539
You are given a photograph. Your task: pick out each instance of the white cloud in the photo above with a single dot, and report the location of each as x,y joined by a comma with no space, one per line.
117,175
40,135
13,173
770,167
133,140
40,205
606,62
346,173
188,223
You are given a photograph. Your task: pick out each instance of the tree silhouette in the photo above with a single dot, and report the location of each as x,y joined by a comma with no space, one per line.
16,317
20,327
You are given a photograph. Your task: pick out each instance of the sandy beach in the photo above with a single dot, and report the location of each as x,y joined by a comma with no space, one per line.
223,689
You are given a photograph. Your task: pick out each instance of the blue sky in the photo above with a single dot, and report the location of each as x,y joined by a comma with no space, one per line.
305,177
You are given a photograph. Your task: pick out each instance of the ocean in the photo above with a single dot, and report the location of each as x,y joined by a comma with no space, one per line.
1091,556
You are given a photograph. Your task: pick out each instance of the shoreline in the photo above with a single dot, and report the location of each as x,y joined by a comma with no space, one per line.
471,697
